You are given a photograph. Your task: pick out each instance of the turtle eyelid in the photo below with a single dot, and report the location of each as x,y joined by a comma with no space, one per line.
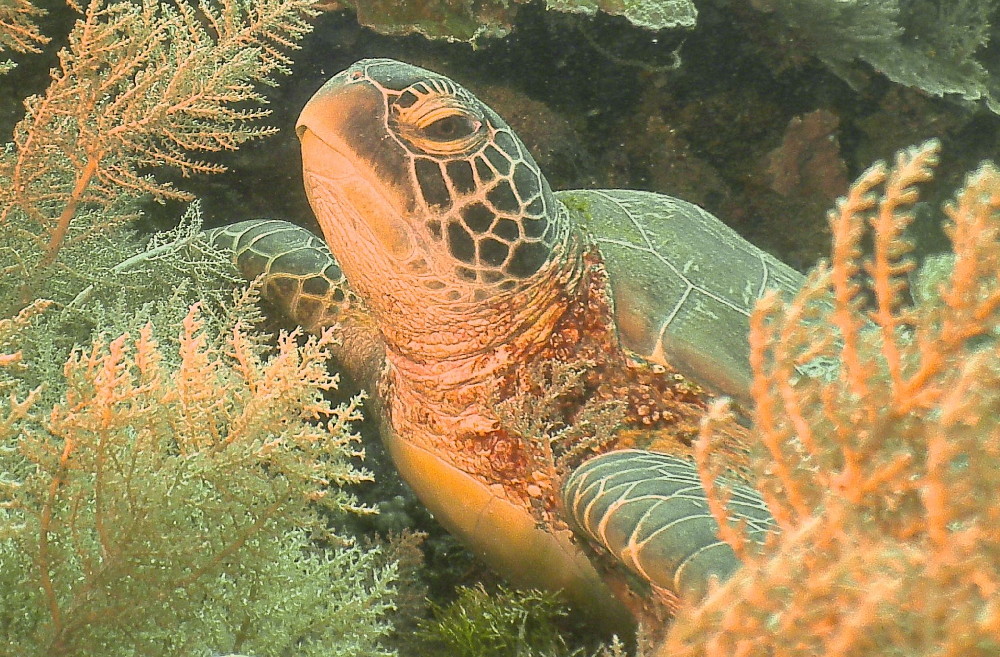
452,126
438,119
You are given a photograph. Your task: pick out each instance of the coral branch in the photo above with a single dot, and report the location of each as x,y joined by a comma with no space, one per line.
127,512
881,473
140,86
18,32
732,532
44,558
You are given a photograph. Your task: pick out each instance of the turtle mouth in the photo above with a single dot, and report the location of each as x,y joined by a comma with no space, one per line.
353,212
325,173
321,159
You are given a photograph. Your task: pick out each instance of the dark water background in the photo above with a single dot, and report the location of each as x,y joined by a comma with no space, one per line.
749,125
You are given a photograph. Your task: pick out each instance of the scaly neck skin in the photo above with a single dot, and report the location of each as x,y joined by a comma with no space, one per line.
437,393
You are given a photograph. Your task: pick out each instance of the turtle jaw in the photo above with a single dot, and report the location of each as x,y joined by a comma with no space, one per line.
357,204
354,215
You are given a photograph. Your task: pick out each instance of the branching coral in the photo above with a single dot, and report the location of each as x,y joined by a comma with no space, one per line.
18,32
172,486
153,492
140,86
882,475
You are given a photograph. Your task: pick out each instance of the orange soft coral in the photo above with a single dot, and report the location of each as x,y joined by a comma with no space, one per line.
883,473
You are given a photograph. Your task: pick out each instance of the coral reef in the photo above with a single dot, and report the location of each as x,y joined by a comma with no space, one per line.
505,623
18,32
156,496
122,465
808,163
933,45
881,475
937,46
140,86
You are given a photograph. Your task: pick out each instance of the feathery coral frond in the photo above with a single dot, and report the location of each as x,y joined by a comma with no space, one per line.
150,485
882,475
142,85
18,32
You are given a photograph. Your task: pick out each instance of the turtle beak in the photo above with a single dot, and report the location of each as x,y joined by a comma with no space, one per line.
332,112
341,132
321,129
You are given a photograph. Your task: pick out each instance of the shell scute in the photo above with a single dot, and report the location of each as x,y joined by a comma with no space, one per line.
684,283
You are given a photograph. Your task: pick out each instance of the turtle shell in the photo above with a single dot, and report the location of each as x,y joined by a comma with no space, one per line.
684,283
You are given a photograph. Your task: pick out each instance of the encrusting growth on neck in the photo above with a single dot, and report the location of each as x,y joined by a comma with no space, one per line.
617,401
471,412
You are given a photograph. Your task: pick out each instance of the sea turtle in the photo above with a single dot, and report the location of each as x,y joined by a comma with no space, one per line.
473,287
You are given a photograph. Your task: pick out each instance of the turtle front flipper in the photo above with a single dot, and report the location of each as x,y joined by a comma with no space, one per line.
650,512
300,276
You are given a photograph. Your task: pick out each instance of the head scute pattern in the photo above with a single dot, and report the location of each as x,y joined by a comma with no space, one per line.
483,197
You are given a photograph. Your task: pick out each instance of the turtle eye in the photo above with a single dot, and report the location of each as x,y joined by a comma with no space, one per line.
452,127
437,117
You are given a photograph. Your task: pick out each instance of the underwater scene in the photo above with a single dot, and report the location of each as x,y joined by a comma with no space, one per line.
551,328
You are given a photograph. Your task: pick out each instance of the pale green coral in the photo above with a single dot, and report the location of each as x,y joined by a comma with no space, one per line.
508,623
464,21
170,484
173,509
648,14
933,45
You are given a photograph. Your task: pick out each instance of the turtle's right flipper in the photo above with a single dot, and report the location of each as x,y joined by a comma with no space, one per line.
649,511
302,278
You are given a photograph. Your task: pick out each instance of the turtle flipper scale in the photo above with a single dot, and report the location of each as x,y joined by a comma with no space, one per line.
649,510
302,278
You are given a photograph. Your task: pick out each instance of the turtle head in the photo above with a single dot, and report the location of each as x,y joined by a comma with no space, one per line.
431,203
